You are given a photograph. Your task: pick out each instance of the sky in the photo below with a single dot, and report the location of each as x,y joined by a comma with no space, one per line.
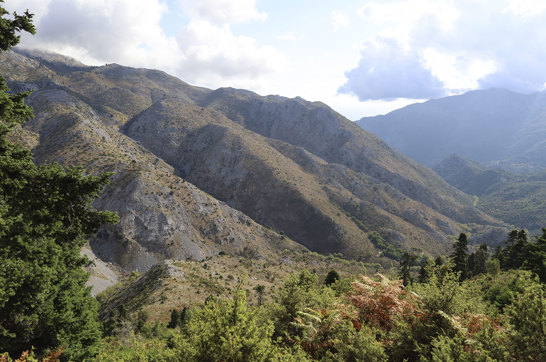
362,58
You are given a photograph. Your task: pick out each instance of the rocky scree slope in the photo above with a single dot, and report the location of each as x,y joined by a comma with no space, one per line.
295,166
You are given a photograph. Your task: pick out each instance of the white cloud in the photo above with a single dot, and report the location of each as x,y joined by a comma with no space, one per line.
223,11
36,7
525,8
457,72
397,19
289,36
387,71
462,44
129,32
213,51
124,31
339,20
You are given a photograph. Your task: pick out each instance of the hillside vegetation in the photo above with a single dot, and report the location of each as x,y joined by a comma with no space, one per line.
518,199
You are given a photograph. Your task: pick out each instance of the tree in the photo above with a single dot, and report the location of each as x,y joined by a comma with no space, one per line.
175,319
460,256
427,266
536,259
477,261
45,215
227,330
260,289
406,263
331,278
521,253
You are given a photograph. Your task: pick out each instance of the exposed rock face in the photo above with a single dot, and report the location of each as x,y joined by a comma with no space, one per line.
295,166
162,216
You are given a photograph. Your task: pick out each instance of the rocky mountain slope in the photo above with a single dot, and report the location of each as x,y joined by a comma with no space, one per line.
494,127
515,198
299,170
162,216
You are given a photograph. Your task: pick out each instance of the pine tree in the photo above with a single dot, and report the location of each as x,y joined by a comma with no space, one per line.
45,215
477,261
331,278
425,270
406,263
460,256
260,290
536,252
175,319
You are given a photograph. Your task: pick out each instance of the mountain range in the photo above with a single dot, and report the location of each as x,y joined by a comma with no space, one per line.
199,172
518,199
493,127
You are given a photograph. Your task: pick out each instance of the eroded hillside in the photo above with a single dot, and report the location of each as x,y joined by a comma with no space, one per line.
297,167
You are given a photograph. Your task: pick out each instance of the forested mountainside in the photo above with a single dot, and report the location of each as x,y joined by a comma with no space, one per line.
297,167
494,127
518,199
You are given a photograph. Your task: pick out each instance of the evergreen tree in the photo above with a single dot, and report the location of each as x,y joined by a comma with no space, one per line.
175,319
520,253
331,278
260,290
425,270
460,256
227,330
536,252
477,261
406,263
45,215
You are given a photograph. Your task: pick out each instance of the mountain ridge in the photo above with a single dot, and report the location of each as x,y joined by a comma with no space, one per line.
493,127
297,167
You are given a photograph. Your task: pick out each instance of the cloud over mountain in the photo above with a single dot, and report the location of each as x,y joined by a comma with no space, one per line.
204,50
450,47
386,71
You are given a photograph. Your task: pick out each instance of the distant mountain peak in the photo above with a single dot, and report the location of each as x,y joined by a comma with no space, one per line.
488,126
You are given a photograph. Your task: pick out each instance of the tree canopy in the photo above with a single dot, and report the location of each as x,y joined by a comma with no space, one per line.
45,215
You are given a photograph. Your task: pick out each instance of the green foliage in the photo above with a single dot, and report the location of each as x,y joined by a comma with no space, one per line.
45,215
331,278
389,250
227,330
300,291
406,263
424,270
137,349
528,319
260,290
10,27
460,257
477,261
520,252
492,267
375,320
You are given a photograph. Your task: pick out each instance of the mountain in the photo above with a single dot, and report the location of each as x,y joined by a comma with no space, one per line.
470,177
197,172
493,127
518,199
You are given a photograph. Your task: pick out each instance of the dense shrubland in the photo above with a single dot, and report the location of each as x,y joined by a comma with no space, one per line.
498,315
